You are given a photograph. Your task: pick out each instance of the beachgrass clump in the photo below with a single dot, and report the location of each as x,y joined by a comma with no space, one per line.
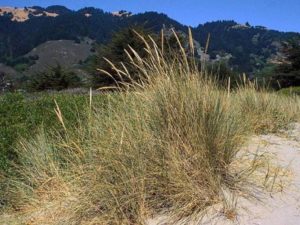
162,144
267,111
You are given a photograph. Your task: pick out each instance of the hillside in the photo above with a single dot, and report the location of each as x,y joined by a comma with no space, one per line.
251,47
51,53
247,47
65,52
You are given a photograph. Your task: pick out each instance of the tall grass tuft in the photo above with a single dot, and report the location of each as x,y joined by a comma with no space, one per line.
163,144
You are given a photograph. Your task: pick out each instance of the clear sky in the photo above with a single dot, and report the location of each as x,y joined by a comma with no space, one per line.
281,15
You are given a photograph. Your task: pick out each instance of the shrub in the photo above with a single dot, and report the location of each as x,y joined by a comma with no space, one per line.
55,78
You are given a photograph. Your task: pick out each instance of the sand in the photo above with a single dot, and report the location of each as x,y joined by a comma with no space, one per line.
279,208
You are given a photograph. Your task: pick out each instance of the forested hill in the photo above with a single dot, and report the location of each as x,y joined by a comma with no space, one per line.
18,38
251,47
248,48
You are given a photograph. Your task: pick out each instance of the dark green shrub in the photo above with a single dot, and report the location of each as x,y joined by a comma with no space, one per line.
55,78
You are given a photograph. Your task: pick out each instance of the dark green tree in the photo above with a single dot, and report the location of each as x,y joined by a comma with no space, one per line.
114,51
221,72
288,73
2,82
171,44
5,83
55,78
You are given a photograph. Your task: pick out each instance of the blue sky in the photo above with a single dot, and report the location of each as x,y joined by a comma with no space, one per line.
282,15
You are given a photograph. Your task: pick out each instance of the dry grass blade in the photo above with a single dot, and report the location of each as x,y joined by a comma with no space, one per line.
207,43
59,115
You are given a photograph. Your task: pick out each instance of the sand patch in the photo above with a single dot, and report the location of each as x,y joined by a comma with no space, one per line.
279,207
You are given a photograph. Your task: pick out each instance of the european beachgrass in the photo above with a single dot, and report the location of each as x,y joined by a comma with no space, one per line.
164,144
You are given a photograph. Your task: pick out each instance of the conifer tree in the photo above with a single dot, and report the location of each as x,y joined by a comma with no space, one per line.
288,73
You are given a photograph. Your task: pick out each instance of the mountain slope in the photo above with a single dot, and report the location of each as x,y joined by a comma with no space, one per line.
248,48
64,52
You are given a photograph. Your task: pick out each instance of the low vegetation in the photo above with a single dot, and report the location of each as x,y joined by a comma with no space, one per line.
21,115
290,91
163,143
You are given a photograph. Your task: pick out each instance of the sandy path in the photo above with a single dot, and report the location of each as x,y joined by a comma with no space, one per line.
282,208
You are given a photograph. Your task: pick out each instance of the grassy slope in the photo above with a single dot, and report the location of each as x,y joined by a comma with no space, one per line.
64,52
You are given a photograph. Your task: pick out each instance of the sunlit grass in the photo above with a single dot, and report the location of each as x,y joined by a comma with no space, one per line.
165,143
